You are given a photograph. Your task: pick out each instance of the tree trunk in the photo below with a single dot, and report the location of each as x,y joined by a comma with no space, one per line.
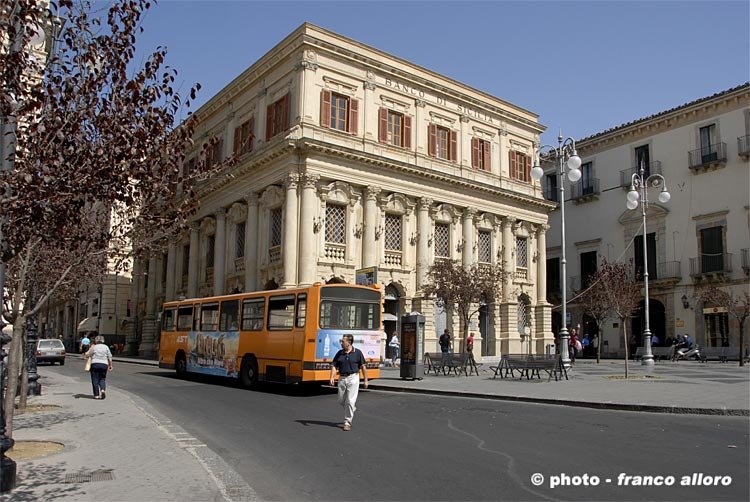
23,389
14,355
598,343
624,322
742,341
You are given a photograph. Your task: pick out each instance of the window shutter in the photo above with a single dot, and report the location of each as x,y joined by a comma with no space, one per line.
325,108
407,131
250,134
269,121
513,170
353,115
286,105
383,125
527,168
475,153
487,152
237,140
431,140
454,146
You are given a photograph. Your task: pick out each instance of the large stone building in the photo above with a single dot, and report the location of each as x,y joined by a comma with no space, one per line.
352,158
701,236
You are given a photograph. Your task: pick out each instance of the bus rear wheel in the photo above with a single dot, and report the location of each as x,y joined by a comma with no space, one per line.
249,372
180,365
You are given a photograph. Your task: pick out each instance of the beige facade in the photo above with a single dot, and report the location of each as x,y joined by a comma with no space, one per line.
700,236
352,158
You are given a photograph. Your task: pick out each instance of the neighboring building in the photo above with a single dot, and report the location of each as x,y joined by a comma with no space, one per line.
352,158
700,236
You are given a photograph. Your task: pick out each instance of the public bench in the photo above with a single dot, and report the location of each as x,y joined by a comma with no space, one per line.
530,366
450,362
721,354
659,353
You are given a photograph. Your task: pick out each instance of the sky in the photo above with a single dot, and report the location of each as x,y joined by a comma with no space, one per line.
582,66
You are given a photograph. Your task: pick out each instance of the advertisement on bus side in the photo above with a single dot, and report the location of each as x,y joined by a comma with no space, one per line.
213,353
328,342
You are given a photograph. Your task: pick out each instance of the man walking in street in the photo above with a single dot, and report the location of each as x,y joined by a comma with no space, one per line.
349,362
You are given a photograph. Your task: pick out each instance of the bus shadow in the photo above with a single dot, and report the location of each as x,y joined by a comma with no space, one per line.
293,390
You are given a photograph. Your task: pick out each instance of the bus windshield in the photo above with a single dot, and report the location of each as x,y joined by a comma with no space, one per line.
341,314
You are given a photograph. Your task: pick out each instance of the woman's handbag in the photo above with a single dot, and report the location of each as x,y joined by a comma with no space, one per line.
87,366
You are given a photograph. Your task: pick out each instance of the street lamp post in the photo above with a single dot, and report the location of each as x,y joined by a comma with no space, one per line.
639,184
7,465
568,160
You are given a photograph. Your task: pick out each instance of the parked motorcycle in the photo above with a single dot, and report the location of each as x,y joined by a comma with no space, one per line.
685,353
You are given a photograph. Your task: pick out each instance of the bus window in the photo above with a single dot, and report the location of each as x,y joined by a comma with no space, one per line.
196,317
281,312
209,317
349,315
252,314
229,313
301,310
185,318
167,320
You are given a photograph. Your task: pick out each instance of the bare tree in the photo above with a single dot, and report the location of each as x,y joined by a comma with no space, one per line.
738,306
96,167
463,288
597,304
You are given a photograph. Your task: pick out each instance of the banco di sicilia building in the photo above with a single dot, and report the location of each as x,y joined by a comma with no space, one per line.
352,158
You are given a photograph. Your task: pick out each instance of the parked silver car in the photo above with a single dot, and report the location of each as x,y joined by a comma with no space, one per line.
50,351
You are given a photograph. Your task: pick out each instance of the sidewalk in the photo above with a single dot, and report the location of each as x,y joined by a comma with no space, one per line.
114,449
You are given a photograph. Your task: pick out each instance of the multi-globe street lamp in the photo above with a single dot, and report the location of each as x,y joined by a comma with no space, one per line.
568,160
639,184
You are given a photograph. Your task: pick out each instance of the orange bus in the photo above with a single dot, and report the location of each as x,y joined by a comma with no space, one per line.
283,335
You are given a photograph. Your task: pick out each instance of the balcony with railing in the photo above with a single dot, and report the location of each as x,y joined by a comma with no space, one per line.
335,252
583,191
711,264
708,156
746,260
626,175
665,271
393,258
743,147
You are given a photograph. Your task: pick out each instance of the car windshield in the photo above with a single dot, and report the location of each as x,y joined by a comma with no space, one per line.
50,344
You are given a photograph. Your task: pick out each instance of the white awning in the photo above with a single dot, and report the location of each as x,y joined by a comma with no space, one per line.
389,317
89,324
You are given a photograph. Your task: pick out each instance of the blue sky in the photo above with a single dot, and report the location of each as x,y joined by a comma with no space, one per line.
583,66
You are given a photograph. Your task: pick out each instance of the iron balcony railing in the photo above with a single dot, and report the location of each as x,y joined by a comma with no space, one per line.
626,175
664,270
746,259
552,193
581,190
743,146
708,155
713,263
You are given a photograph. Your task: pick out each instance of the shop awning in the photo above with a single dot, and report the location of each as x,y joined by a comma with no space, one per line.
89,324
389,317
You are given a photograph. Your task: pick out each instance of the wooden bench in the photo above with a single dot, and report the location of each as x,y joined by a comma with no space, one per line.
530,366
721,354
450,362
659,353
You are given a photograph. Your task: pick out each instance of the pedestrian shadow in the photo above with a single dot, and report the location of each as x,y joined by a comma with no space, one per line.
83,396
322,423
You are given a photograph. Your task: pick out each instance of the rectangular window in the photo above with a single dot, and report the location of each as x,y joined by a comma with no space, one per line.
520,166
335,223
338,112
239,240
642,156
522,254
252,314
442,143
638,253
210,244
551,191
394,128
709,152
185,259
480,154
276,226
243,138
185,318
393,232
587,178
228,320
95,307
589,267
712,249
301,310
209,317
553,275
485,246
167,320
442,240
349,315
277,117
281,312
215,152
164,268
188,169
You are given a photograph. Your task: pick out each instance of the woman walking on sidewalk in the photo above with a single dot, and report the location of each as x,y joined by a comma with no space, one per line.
101,363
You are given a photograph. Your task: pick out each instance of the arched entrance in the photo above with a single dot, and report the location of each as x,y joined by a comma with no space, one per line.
656,320
335,280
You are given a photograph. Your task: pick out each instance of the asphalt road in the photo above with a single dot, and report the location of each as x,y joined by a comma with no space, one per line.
287,444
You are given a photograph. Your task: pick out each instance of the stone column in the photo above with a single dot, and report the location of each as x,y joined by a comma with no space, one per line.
423,232
468,244
220,248
543,310
171,263
146,347
541,263
420,146
464,141
290,243
371,116
307,250
195,239
508,265
251,243
371,221
306,75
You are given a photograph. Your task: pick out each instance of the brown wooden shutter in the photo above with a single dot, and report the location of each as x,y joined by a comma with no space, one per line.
383,125
527,168
454,146
513,167
353,115
407,131
286,103
431,140
325,108
237,145
269,121
475,153
487,153
250,134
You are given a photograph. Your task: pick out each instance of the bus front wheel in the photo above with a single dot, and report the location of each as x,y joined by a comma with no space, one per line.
249,372
180,365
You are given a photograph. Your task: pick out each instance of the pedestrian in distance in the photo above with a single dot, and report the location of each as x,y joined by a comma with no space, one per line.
445,341
85,344
349,361
470,342
395,346
101,363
